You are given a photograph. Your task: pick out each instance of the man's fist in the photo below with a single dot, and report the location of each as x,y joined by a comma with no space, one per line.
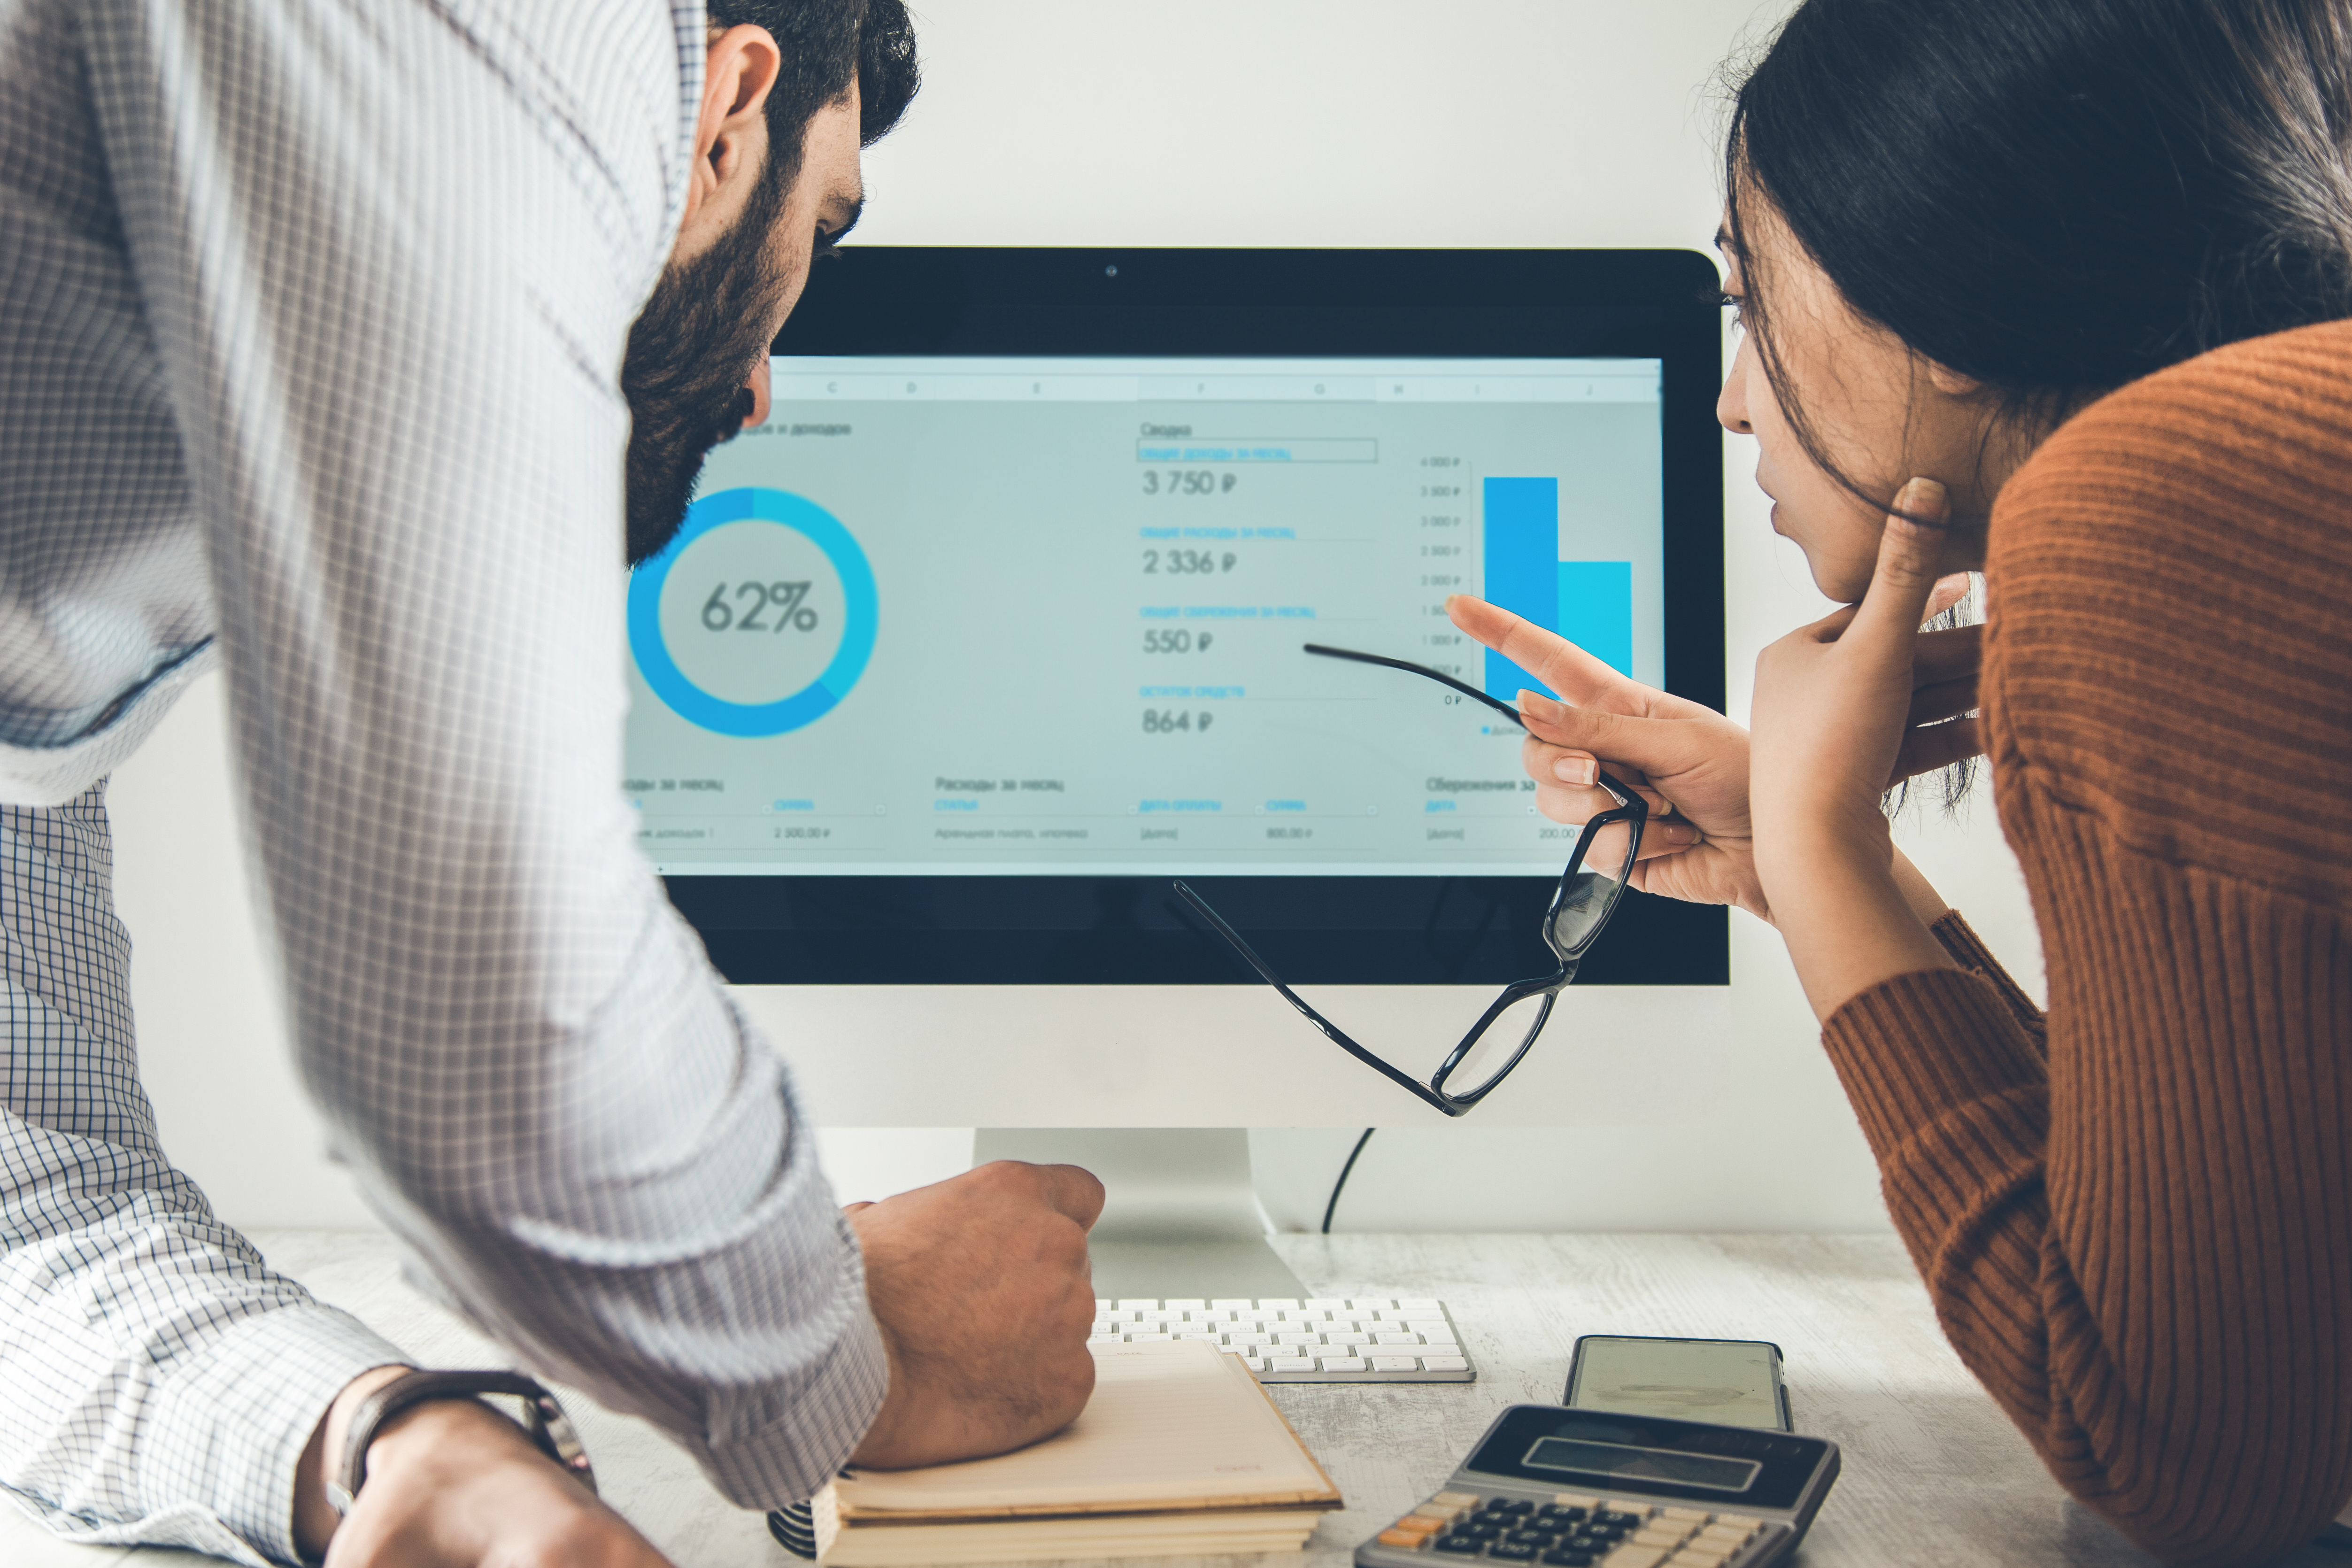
982,1289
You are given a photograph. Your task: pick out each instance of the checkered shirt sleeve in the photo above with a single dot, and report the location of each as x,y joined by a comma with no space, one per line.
310,353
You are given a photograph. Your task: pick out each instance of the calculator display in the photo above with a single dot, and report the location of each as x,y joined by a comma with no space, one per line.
1666,1461
1626,1462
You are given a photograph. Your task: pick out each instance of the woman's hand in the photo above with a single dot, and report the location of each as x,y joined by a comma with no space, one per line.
1689,762
1834,711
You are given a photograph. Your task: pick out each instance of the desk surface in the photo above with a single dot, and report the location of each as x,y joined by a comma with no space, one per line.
1934,1474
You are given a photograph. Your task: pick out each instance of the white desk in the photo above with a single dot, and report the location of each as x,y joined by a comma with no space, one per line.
1934,1474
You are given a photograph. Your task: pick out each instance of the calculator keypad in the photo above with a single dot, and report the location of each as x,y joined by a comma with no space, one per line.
1573,1530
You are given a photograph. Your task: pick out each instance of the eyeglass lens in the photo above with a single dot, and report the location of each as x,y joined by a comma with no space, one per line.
1587,895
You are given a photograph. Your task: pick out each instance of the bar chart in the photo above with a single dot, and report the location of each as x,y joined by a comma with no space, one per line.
1590,603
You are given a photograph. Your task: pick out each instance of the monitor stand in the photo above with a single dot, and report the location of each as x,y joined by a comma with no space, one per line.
1180,1216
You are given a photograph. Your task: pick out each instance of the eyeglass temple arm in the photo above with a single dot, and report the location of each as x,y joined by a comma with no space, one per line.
1324,650
1330,1030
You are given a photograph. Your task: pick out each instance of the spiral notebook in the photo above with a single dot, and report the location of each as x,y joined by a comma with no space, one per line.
1179,1452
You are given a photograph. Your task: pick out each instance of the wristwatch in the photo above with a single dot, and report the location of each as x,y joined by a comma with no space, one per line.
543,1418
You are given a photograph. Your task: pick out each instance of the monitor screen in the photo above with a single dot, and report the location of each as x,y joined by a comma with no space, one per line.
995,626
1046,615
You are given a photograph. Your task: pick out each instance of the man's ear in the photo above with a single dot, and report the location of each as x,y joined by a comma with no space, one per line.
731,132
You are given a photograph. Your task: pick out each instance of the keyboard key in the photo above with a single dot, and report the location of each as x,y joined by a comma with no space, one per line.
1277,1304
1576,1501
1405,1538
1344,1338
1345,1363
1518,1506
1248,1339
1208,1334
1372,1304
1328,1303
1150,1338
1464,1545
1564,1512
1506,1552
1184,1303
1445,1363
1291,1363
1424,1303
1255,1363
1396,1339
1739,1521
1127,1304
1569,1557
1687,1515
1395,1362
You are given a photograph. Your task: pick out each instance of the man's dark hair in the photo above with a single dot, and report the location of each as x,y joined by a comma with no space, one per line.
700,335
825,44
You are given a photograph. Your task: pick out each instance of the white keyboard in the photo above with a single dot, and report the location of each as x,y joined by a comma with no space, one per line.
1376,1339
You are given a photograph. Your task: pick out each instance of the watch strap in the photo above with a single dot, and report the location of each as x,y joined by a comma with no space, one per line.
543,1418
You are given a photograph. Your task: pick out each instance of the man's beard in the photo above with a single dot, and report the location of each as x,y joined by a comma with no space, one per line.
701,334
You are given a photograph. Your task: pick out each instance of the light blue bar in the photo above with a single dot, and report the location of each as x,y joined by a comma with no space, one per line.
1522,554
1596,610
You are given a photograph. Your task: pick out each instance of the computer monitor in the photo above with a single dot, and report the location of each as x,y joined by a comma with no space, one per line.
995,629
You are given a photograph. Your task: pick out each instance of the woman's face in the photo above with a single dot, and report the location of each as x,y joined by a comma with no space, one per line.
1881,413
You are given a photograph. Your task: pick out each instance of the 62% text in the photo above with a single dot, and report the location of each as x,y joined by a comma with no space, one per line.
754,601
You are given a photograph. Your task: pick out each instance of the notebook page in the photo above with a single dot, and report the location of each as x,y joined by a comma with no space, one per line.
1179,1421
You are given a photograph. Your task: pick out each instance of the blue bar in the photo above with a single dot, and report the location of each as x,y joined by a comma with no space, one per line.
1596,610
1523,576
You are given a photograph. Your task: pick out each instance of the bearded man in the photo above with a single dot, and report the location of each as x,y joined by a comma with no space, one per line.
317,364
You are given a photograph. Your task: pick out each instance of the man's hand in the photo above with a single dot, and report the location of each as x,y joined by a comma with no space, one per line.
454,1484
982,1289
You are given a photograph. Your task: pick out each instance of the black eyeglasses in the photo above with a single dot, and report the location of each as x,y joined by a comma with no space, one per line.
1579,910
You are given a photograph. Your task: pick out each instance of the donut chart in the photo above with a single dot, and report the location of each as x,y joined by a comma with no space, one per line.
859,615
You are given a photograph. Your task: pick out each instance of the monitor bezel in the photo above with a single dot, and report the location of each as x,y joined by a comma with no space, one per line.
1132,931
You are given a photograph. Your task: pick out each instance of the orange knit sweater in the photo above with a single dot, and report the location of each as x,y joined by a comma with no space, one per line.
2134,1217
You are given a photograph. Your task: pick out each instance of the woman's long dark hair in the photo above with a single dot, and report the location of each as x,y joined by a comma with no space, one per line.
2053,197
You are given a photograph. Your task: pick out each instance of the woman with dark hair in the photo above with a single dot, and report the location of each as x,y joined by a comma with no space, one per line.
2040,288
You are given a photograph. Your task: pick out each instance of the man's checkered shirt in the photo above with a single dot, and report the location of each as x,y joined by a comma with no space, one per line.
311,315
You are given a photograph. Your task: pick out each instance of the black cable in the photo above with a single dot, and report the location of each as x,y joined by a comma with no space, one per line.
1329,1207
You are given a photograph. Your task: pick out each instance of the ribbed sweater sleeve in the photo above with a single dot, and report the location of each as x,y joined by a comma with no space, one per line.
2140,1240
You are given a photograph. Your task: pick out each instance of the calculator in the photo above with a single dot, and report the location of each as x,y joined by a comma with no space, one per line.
1582,1488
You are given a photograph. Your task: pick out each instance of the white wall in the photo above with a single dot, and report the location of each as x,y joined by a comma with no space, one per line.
1483,122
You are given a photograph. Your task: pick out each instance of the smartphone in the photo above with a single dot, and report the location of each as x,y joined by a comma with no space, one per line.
1730,1382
